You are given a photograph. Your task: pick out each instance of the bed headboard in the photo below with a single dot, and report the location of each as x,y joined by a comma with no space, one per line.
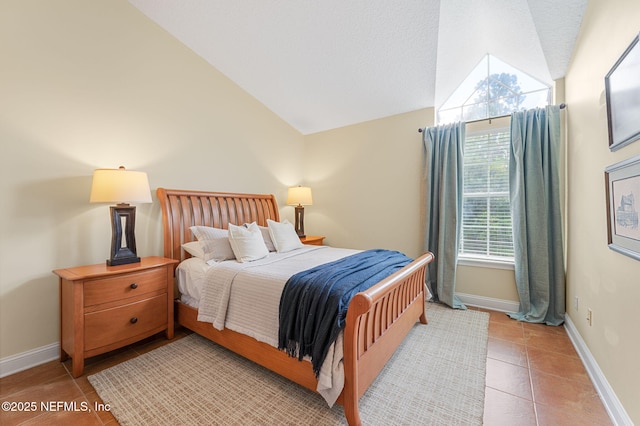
182,209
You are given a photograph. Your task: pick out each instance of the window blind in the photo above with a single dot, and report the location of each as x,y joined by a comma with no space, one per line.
486,219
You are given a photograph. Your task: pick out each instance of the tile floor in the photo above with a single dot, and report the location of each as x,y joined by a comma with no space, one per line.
534,377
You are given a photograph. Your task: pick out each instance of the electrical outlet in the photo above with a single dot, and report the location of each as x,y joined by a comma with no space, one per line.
575,303
589,316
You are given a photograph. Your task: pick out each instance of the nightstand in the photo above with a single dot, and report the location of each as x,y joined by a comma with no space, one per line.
103,308
312,240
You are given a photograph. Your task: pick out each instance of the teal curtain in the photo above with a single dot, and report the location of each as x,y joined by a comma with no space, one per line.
442,176
534,186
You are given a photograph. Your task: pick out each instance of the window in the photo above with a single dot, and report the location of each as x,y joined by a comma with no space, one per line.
486,214
493,89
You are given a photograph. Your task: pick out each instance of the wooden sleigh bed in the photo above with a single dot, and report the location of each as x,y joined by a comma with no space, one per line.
377,319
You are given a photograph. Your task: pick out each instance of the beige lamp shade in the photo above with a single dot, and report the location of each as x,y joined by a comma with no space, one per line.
119,186
299,196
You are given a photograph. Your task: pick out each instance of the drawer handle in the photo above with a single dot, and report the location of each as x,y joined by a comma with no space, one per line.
134,286
133,320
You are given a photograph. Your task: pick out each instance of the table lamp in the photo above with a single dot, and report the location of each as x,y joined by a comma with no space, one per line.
122,187
299,196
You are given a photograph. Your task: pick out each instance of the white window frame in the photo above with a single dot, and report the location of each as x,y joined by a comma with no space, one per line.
485,262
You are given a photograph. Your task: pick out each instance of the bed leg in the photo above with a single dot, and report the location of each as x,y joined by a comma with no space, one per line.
423,315
351,412
350,391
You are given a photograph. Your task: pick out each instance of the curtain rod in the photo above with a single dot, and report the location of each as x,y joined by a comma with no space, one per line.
562,106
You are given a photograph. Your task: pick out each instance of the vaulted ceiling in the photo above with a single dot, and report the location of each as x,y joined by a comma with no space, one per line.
325,64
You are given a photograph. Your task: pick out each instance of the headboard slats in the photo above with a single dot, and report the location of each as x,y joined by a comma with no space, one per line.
182,209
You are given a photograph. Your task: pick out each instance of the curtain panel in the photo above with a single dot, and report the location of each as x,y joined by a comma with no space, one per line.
534,186
442,179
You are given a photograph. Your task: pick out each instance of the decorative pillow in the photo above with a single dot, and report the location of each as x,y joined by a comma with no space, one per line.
195,249
247,242
265,236
284,236
215,241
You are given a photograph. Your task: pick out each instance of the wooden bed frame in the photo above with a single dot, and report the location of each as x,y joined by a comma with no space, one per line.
377,319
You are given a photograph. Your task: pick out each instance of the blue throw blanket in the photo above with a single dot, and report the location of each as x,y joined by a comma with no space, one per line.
313,306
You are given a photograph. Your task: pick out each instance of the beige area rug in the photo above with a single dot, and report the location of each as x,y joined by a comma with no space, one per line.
436,377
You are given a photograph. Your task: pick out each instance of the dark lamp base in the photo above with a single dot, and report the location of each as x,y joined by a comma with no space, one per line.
123,237
122,261
299,221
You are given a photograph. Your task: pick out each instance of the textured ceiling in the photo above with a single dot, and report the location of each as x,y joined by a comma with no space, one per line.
327,64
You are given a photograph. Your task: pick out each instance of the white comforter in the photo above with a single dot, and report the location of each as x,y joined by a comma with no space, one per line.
245,297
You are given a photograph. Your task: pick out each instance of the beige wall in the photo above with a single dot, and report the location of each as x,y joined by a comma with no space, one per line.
96,84
356,170
492,283
366,183
603,280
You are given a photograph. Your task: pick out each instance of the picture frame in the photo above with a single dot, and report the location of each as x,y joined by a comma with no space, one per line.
623,203
622,92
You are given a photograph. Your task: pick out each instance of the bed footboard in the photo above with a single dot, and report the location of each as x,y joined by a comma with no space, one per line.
377,321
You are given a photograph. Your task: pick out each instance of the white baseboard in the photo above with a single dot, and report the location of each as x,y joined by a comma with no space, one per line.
611,402
488,302
25,360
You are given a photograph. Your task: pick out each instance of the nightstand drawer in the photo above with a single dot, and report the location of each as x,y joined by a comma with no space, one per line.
108,326
120,287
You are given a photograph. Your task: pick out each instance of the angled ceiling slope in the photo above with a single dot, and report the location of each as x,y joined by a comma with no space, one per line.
323,65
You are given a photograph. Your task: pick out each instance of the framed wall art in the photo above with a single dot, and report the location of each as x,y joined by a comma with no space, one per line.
622,91
623,202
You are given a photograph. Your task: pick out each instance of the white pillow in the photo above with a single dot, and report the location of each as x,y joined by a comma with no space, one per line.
266,236
195,249
215,242
247,242
284,236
